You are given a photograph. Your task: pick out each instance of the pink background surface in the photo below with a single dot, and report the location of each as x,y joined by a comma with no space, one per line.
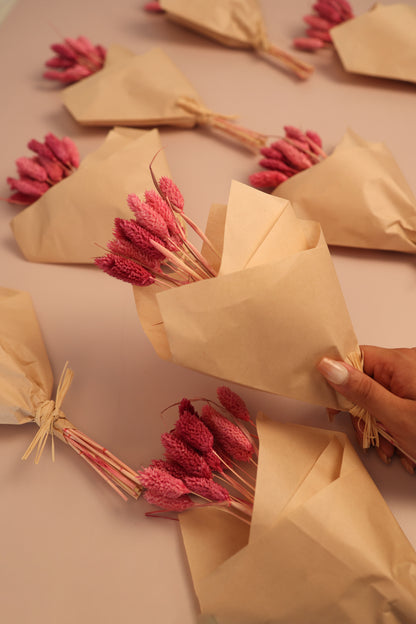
71,550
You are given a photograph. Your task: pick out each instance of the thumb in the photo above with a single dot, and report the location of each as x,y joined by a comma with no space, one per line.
358,387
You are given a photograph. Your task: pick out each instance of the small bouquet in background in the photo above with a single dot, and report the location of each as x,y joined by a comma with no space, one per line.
147,90
54,160
342,191
26,389
380,42
328,13
233,23
317,515
287,156
210,460
71,217
74,60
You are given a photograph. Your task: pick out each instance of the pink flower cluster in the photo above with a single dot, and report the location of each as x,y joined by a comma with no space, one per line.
55,159
329,13
153,247
288,156
204,458
74,59
153,7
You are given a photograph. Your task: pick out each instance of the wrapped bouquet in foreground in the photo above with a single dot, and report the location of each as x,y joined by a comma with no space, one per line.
66,222
359,196
147,90
260,306
321,541
26,394
234,23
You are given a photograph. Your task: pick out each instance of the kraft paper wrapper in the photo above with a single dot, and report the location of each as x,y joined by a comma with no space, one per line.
26,378
273,312
359,196
132,90
380,43
65,223
235,23
323,546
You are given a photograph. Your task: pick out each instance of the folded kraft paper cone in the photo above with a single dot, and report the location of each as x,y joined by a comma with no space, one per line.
234,23
323,546
359,196
379,43
67,223
275,309
26,385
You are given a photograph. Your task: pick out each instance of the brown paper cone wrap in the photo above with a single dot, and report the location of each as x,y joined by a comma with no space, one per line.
71,218
26,383
26,379
323,545
234,23
273,312
380,43
359,196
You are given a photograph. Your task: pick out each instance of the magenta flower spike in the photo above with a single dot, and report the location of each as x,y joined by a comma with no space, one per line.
74,60
229,438
329,13
54,160
287,156
233,403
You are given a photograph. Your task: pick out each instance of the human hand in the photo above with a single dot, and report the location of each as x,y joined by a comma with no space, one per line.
387,390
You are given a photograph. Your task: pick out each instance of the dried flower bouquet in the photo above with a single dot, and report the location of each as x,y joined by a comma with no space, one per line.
318,522
71,217
359,196
234,23
74,59
148,90
263,316
328,13
26,394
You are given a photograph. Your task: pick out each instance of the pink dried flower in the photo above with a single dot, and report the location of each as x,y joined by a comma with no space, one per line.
214,462
294,156
171,193
125,269
186,406
308,44
147,217
233,403
170,504
192,430
227,436
30,168
75,59
170,466
27,186
207,488
54,159
153,7
158,204
126,249
294,152
131,231
162,483
267,179
177,450
329,14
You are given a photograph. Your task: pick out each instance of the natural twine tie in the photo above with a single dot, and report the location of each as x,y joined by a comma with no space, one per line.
47,414
251,139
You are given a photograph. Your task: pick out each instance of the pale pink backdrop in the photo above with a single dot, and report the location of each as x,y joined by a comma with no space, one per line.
71,551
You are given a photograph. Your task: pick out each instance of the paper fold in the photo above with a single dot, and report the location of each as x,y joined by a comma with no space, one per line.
323,542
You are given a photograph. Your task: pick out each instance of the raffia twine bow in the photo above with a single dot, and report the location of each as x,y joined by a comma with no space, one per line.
204,116
47,414
261,43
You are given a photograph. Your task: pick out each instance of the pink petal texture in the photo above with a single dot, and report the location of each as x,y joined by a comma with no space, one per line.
233,403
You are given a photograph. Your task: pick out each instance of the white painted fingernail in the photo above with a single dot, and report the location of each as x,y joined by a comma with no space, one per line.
334,371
